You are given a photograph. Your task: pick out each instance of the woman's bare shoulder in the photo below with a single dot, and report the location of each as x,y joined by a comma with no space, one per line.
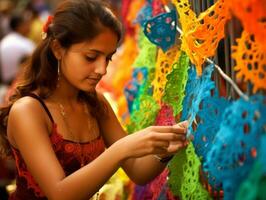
24,105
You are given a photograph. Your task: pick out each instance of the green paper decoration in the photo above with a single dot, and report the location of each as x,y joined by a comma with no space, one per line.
176,84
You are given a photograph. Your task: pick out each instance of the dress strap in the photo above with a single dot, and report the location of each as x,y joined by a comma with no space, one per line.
43,105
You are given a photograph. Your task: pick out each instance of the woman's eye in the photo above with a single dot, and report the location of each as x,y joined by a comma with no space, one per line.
90,59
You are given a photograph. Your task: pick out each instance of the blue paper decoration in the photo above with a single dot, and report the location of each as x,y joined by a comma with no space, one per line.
233,152
210,116
197,89
161,30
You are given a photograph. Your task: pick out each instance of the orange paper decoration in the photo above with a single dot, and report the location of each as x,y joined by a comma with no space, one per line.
252,14
250,60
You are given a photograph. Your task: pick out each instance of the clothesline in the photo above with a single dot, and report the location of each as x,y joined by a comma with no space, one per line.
221,72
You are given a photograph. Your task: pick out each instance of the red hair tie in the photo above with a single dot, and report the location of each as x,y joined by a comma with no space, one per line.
46,25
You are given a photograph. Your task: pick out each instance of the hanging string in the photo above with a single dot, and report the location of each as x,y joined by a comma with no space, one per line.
221,72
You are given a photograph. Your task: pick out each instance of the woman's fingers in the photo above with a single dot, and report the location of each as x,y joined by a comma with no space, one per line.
169,129
161,144
168,137
175,146
183,124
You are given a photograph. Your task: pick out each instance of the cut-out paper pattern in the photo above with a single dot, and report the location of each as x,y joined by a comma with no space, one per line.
176,84
250,61
164,66
209,118
145,116
201,35
161,30
238,138
165,116
133,86
254,186
147,53
184,176
197,89
252,14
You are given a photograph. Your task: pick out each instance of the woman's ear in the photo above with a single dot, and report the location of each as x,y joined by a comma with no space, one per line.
57,49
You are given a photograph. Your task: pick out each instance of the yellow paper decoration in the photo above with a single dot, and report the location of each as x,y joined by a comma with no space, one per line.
250,60
186,16
252,14
201,35
164,65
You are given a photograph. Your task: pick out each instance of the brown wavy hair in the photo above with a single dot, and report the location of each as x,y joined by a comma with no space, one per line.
74,21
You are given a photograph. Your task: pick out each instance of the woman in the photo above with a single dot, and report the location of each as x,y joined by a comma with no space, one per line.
63,134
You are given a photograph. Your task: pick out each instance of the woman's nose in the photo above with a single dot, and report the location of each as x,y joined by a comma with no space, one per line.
101,67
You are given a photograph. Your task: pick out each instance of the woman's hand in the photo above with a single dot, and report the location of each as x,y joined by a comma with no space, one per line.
178,144
157,140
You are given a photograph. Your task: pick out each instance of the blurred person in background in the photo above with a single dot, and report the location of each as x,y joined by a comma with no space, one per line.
6,7
15,47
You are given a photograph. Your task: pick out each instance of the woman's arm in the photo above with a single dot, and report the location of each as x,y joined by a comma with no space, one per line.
27,131
142,169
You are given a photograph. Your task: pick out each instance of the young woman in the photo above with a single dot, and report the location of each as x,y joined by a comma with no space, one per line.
63,134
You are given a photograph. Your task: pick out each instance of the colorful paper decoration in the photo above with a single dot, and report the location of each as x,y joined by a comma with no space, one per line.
184,176
250,61
144,14
238,137
252,14
145,116
157,7
132,87
209,118
174,91
254,186
129,14
161,30
163,67
201,35
165,116
147,53
197,89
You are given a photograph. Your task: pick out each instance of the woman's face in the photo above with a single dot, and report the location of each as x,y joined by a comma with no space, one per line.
84,64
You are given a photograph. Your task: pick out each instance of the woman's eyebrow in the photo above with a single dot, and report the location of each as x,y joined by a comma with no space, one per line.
100,52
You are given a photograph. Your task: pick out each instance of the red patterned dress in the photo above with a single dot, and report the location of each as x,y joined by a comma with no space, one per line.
68,154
